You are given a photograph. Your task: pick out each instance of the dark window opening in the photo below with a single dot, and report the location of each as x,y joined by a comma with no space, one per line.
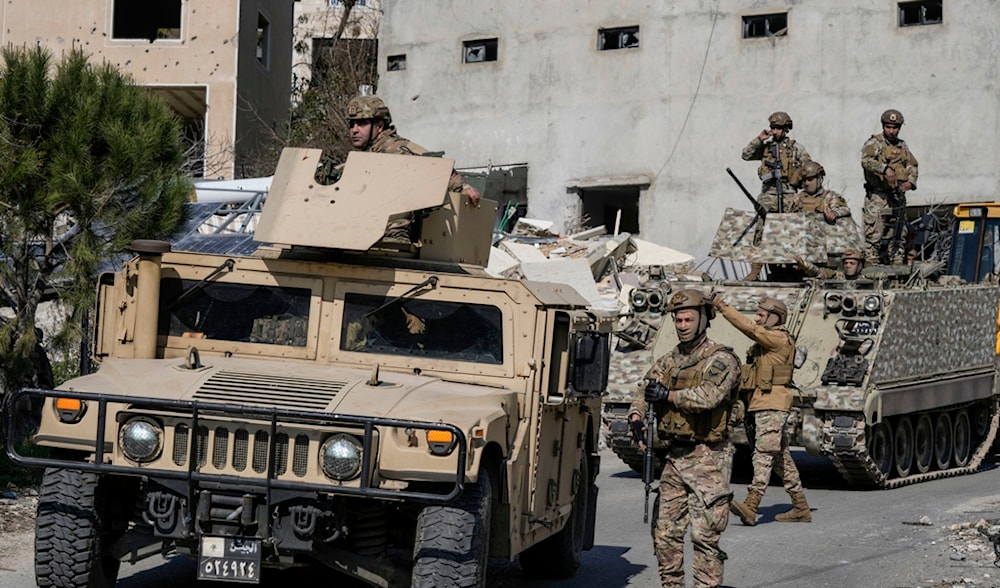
422,328
601,206
263,40
479,50
234,312
619,38
765,25
923,12
396,63
151,20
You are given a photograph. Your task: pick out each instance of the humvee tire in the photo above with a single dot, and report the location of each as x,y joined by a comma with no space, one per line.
72,534
452,544
559,555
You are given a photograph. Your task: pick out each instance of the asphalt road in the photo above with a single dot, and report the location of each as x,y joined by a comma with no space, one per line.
868,539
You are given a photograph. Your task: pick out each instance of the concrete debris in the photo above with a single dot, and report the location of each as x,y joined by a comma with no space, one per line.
603,268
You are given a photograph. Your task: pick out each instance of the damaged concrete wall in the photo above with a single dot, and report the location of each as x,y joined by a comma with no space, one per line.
680,107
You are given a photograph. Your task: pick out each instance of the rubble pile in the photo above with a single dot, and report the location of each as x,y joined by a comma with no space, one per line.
17,509
970,551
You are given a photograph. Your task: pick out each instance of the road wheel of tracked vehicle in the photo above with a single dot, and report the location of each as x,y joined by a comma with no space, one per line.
963,439
559,555
880,447
903,444
944,436
923,444
453,540
74,531
981,421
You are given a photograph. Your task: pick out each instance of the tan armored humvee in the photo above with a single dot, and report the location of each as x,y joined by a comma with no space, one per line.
384,409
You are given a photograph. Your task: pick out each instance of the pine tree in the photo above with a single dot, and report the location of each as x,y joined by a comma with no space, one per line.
89,161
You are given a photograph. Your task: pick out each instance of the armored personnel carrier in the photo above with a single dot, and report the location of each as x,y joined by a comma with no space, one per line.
896,385
384,409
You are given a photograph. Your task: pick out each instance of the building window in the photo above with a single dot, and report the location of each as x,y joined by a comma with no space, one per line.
263,40
619,38
765,25
153,20
603,205
923,12
339,3
479,50
396,62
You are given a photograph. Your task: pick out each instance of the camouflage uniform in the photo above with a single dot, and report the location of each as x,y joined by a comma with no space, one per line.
820,202
792,157
765,385
878,154
694,487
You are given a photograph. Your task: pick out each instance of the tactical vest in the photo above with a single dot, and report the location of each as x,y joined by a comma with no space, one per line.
710,426
810,203
760,373
790,171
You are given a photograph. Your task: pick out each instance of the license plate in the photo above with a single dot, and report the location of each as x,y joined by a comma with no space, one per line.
230,559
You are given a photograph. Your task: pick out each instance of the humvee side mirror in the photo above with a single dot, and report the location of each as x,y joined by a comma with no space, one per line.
591,354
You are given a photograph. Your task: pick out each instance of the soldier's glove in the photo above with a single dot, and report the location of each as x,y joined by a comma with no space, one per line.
637,427
655,391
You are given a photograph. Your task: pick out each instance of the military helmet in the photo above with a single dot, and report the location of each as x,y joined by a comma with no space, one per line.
892,117
812,169
782,119
775,307
852,253
367,108
692,299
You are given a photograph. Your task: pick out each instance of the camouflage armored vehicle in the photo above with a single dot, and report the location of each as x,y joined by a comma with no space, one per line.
896,371
387,410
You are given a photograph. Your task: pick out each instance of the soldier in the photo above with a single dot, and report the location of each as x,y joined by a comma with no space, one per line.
853,260
765,385
787,165
691,391
371,129
815,198
890,171
781,158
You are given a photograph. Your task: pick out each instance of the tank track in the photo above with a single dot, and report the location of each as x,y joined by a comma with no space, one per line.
856,465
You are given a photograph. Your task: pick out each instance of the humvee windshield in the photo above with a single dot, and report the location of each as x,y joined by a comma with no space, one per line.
426,328
234,312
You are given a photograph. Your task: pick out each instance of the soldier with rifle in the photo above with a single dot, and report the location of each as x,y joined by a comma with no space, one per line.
781,160
890,172
690,392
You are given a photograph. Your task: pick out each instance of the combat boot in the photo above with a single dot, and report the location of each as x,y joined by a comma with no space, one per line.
800,512
747,511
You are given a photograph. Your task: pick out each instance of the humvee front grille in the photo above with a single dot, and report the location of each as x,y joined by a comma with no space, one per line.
269,390
256,454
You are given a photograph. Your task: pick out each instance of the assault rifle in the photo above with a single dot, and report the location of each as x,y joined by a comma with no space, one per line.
776,174
648,458
897,200
757,206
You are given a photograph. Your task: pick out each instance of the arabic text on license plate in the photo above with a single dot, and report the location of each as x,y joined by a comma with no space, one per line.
230,559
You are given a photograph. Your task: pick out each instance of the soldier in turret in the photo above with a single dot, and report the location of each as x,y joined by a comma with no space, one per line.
766,387
691,391
890,172
815,198
371,129
781,160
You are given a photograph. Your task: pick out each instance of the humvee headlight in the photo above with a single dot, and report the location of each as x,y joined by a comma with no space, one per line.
872,304
70,410
340,457
141,439
440,442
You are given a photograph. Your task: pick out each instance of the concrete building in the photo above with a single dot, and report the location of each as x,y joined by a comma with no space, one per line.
223,65
641,106
316,23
